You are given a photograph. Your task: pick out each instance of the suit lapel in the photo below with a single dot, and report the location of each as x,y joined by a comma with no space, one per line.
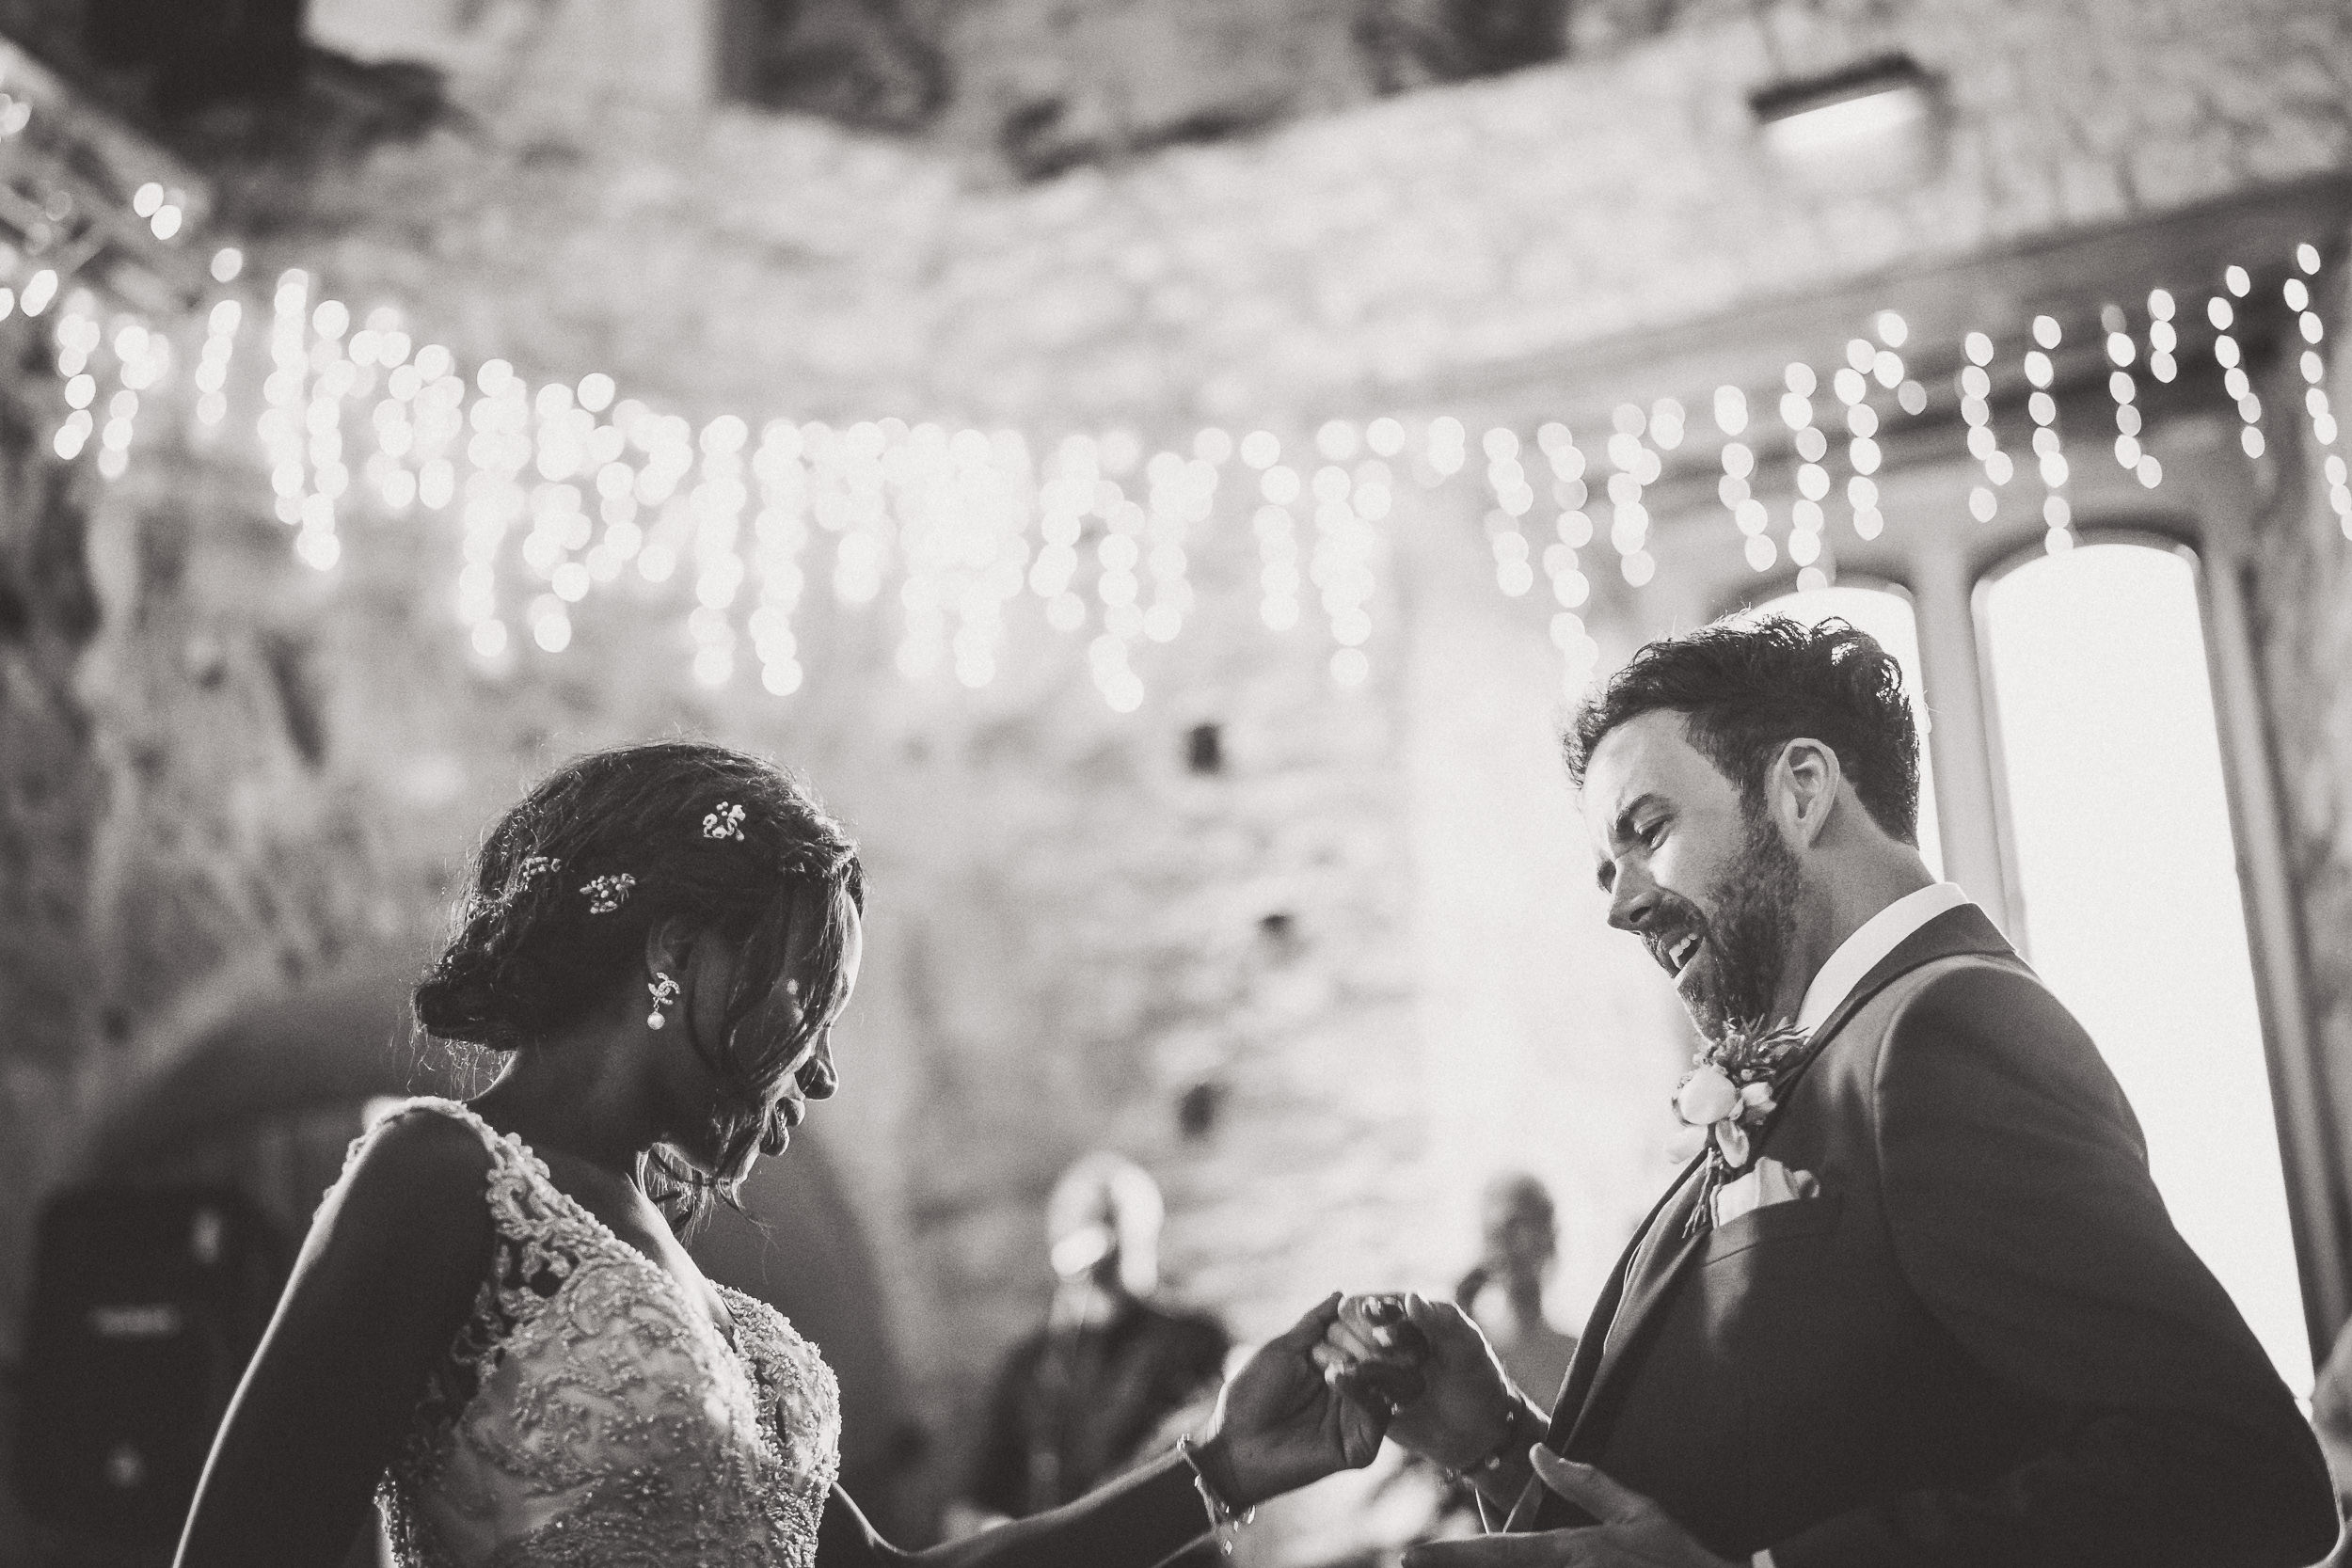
1585,1365
1956,931
1637,1298
1669,1250
1590,1350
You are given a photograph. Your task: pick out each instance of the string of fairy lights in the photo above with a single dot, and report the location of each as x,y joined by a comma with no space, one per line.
565,489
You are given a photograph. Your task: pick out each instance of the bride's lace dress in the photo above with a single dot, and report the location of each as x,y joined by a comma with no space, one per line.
591,1415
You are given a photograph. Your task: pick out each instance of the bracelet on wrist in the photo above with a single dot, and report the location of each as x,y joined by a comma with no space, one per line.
1494,1458
1224,1521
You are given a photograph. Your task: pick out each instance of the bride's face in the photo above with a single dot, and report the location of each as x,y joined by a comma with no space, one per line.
766,1029
811,1075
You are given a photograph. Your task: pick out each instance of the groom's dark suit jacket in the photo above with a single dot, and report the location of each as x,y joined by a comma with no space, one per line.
1983,1342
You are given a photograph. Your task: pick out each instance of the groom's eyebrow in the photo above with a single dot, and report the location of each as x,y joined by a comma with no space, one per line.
1622,829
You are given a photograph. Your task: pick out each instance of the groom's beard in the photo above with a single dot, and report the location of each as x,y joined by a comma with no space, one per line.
1748,937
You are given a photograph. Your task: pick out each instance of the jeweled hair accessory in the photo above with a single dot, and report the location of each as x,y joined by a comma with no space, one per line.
519,880
609,891
724,821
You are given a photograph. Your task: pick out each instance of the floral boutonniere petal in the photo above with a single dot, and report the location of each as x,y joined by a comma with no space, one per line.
1732,1086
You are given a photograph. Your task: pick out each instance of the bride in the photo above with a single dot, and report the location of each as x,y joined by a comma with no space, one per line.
493,1330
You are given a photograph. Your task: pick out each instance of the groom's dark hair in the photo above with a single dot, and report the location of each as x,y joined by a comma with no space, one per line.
1746,687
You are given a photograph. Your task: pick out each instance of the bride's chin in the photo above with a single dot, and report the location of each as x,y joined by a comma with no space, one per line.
715,1166
709,1162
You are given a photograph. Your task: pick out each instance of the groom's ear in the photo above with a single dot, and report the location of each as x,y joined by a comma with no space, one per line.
1803,786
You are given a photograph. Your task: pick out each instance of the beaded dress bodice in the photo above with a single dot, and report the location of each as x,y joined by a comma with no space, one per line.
591,1415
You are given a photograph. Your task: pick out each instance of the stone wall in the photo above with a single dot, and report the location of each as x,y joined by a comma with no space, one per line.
727,260
1031,89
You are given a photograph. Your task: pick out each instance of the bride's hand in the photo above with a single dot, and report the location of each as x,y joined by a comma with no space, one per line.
1280,1423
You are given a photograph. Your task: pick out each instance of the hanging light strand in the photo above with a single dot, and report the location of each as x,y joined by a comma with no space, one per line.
77,337
780,527
1636,465
2123,391
1341,567
2221,309
950,513
1976,411
2313,363
1735,488
1806,520
2049,451
213,365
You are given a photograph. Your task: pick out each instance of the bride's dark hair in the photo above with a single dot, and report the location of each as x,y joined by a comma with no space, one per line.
570,879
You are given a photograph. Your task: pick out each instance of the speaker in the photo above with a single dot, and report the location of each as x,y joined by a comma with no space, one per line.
146,1302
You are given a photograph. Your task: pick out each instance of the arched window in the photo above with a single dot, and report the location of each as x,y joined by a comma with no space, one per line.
2128,890
1886,614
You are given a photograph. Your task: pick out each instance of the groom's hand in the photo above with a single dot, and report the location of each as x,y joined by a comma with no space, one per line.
1633,1532
1464,1411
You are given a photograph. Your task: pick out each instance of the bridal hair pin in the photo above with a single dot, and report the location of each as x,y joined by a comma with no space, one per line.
532,867
724,821
607,892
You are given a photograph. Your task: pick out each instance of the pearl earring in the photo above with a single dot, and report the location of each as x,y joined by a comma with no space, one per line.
664,991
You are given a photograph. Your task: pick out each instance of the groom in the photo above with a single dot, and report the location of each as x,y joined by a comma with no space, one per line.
1937,1314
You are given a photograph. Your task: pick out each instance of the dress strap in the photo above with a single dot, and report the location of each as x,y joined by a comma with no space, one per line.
511,1159
504,1146
542,1236
531,1211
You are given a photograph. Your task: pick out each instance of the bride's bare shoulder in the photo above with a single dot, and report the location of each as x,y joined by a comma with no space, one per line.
416,1184
422,1147
392,1263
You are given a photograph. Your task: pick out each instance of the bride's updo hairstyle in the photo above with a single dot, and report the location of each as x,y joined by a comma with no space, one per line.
569,881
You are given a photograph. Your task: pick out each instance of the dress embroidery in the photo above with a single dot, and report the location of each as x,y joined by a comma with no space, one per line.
590,1416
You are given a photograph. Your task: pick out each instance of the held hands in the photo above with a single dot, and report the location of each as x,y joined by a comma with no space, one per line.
1633,1532
1460,1413
1281,1424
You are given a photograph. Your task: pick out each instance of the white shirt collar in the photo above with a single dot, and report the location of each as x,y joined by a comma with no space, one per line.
1872,940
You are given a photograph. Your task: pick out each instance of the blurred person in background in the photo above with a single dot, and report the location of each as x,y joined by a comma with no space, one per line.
1503,1295
1503,1292
1087,1396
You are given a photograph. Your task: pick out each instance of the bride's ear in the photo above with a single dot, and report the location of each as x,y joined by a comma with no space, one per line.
669,948
702,964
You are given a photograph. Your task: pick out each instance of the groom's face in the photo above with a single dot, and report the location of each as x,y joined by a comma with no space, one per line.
1709,887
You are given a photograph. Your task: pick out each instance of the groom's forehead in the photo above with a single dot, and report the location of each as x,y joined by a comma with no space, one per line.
1649,751
1649,758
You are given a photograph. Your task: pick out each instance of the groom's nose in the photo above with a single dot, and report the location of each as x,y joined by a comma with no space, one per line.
1632,900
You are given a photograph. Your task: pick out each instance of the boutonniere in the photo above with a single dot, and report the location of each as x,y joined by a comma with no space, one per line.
1730,1088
